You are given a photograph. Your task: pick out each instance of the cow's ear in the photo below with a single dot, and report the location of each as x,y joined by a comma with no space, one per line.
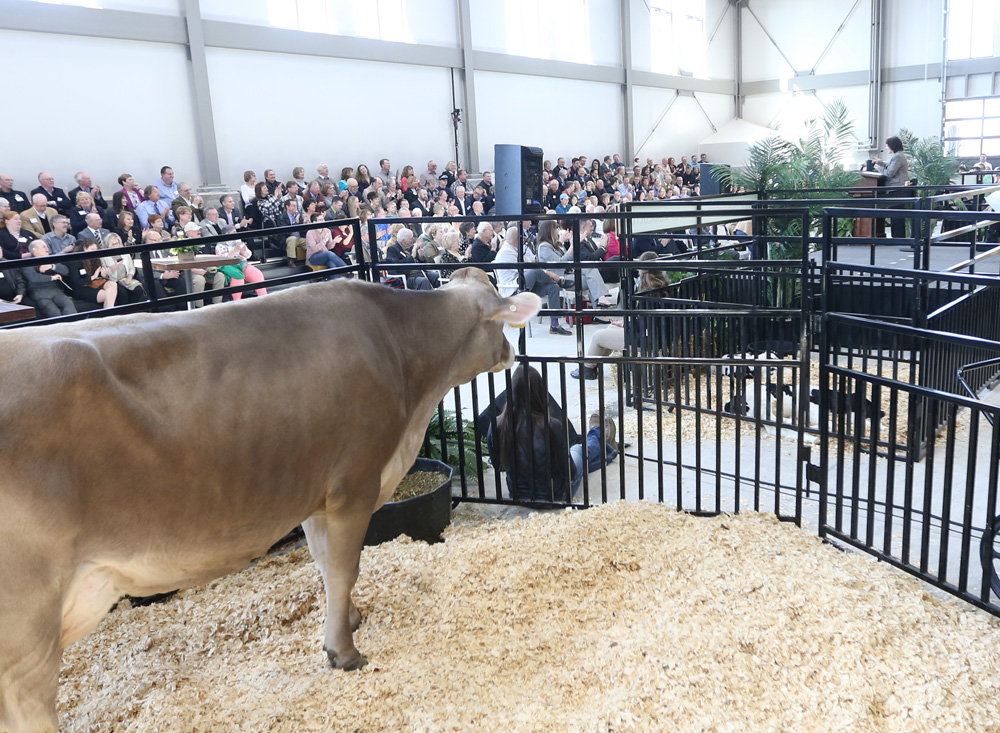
517,309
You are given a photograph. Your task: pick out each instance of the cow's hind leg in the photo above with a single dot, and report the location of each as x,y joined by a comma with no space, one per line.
30,621
345,533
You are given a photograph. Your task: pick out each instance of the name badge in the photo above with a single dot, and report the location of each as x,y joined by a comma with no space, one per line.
33,221
1,276
19,198
83,271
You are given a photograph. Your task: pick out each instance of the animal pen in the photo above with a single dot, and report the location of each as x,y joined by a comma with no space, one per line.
839,395
797,381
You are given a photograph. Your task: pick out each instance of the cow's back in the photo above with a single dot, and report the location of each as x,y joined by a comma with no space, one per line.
150,429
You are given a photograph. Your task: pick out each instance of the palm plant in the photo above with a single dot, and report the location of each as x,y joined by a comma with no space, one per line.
814,161
929,163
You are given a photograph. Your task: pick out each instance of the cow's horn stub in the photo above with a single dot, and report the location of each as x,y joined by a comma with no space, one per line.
470,273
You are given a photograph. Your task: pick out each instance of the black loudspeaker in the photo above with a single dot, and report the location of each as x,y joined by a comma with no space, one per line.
518,180
710,183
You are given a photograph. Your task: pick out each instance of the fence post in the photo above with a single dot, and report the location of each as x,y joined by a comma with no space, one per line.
150,278
372,272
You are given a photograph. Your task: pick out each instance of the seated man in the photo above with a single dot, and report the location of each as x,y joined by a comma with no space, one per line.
56,197
295,243
401,252
18,200
154,204
165,282
481,251
94,230
13,286
199,276
37,218
184,198
85,185
59,239
45,284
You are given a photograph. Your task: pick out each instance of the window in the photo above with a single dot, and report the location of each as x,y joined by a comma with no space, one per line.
384,19
549,29
970,28
972,126
677,37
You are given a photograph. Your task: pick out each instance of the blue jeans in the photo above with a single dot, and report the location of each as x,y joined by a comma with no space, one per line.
598,453
327,259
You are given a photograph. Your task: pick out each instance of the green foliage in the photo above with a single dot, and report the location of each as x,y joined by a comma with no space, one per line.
929,163
432,443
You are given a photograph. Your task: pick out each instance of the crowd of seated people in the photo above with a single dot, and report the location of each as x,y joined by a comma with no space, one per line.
166,211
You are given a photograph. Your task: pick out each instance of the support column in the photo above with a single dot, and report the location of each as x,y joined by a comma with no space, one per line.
739,60
628,120
205,120
468,88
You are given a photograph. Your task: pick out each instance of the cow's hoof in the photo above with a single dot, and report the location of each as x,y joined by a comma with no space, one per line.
357,661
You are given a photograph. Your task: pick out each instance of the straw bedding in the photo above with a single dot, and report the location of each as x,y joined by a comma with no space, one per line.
623,617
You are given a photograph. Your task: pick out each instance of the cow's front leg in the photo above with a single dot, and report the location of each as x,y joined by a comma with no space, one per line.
30,610
340,555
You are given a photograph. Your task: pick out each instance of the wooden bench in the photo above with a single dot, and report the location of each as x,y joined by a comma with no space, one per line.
11,312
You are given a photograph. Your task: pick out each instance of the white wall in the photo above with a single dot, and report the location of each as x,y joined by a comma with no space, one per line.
554,34
683,127
133,123
802,30
563,117
279,111
433,22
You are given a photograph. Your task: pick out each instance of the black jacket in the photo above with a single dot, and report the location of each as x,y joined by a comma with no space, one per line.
58,199
12,283
13,197
539,470
10,245
99,201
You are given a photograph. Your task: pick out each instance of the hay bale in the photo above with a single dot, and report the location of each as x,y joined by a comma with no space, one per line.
625,617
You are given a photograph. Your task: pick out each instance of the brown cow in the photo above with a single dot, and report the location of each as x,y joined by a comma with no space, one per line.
151,452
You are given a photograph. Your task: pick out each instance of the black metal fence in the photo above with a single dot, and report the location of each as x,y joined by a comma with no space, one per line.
811,390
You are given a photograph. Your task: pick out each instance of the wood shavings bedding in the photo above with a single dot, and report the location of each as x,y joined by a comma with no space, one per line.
627,617
706,425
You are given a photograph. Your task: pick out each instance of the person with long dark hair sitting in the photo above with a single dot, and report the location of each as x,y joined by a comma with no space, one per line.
530,443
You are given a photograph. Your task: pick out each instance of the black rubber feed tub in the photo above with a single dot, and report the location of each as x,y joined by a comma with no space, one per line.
422,517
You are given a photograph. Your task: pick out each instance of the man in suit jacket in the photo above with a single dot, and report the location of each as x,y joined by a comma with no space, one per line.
94,231
83,183
184,198
295,243
18,200
38,218
210,225
57,198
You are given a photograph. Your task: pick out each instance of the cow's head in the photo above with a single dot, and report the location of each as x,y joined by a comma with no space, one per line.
486,340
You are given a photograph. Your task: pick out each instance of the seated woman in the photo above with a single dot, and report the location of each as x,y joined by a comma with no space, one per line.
128,229
319,247
119,203
78,214
121,269
184,217
89,278
13,241
530,444
241,272
543,283
612,338
156,225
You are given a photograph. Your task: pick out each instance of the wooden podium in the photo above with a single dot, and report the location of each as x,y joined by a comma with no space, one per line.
869,227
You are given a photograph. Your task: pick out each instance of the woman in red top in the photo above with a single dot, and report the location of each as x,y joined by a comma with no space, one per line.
343,240
611,240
